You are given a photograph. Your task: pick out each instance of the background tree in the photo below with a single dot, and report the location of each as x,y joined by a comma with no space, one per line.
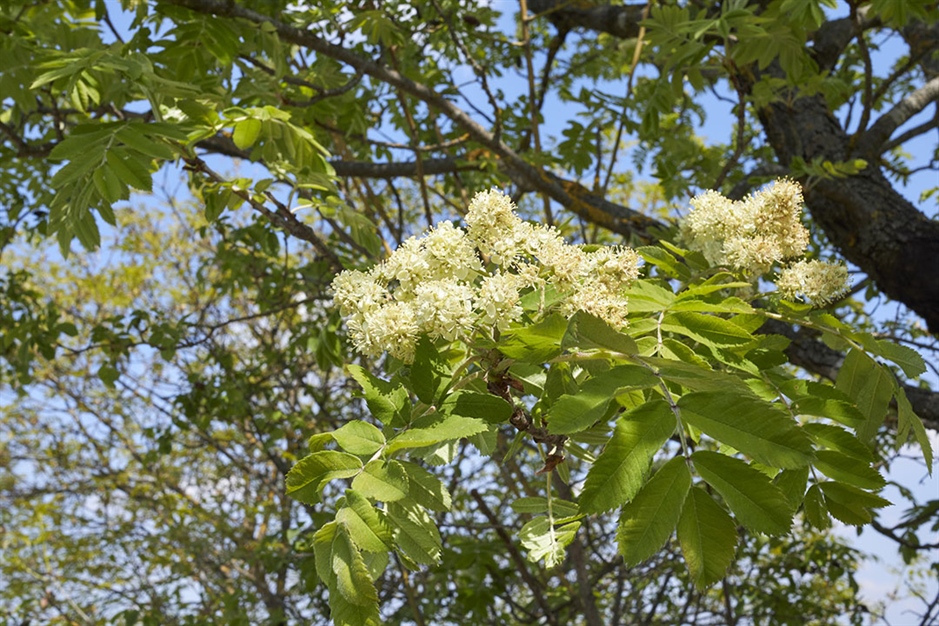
156,399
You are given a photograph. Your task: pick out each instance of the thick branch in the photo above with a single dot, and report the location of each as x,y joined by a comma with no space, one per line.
872,142
620,21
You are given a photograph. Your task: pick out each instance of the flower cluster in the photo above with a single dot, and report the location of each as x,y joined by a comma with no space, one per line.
817,281
761,230
752,234
439,285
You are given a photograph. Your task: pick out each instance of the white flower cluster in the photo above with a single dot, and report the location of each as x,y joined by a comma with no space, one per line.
817,281
763,229
437,284
752,234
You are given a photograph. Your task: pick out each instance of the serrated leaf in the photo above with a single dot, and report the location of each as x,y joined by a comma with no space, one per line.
364,524
415,534
908,359
647,522
647,297
618,473
537,343
359,438
836,438
383,399
870,386
750,425
132,136
312,471
129,169
487,406
708,329
696,377
352,578
908,420
429,375
385,481
848,469
815,508
708,538
578,411
756,502
450,428
850,504
544,540
587,332
426,489
792,483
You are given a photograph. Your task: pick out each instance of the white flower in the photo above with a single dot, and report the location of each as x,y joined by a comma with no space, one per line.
444,308
498,299
817,281
356,291
750,235
392,328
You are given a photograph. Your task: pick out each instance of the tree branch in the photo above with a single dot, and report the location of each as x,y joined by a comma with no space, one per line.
520,171
871,143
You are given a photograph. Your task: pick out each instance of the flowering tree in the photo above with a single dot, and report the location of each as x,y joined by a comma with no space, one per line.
587,399
507,323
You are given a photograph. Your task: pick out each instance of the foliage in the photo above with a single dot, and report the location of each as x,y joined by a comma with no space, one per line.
188,435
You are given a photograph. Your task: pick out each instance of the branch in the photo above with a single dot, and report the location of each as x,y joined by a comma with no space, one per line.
520,171
875,138
620,21
592,207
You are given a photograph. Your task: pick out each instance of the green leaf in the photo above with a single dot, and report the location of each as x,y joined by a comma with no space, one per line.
416,537
792,483
664,260
129,169
486,406
870,385
837,438
450,428
314,470
908,359
759,504
589,332
849,470
246,133
575,412
537,343
908,420
426,489
696,377
544,540
816,509
385,481
748,424
708,329
384,400
352,578
363,523
708,538
850,504
359,438
649,519
429,372
619,472
647,297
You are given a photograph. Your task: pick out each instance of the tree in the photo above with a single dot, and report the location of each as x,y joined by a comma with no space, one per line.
159,401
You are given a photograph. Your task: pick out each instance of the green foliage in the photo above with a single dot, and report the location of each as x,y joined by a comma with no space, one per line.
186,437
